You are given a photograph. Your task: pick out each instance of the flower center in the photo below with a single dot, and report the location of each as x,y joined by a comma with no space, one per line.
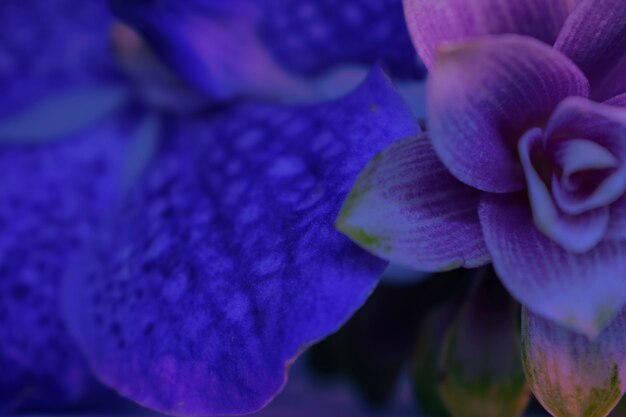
572,179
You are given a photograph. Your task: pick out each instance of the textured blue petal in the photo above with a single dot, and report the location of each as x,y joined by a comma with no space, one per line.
51,195
312,36
47,46
268,48
224,264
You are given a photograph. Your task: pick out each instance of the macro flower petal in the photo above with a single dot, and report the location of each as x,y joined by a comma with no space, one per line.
593,37
619,100
310,37
482,97
49,46
481,372
617,223
588,141
291,43
406,208
574,232
571,375
52,194
432,23
226,263
616,229
580,291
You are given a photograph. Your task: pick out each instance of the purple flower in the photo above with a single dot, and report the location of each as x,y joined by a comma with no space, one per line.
191,245
519,165
523,165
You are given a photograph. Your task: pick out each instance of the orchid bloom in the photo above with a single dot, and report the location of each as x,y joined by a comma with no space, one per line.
524,166
191,245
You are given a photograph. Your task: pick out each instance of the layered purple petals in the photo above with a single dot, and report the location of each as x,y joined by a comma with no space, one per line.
432,23
484,95
570,374
51,197
576,173
227,264
575,232
593,37
406,207
587,142
580,291
46,47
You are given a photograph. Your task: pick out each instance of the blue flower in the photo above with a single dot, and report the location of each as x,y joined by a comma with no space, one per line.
159,230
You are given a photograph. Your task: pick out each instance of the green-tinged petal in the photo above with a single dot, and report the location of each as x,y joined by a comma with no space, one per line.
570,374
426,365
407,208
482,374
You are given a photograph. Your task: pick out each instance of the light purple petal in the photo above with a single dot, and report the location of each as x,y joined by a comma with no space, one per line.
619,101
569,374
579,291
616,229
434,22
484,95
576,233
226,264
593,37
406,207
601,129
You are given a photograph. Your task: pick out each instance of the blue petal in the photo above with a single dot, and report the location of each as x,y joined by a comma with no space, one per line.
312,36
51,195
223,264
48,46
61,115
273,48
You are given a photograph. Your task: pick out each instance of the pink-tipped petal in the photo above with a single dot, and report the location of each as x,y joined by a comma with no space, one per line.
569,374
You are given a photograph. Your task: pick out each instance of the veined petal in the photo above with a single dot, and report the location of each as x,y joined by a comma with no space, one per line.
432,23
406,207
52,194
484,95
226,262
49,46
571,375
593,37
580,291
616,229
617,223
